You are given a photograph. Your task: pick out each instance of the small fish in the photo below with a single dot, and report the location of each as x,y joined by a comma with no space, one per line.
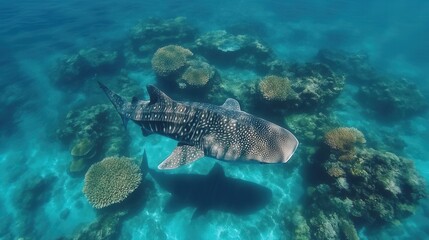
222,132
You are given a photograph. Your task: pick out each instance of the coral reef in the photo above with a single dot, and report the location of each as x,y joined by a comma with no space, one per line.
198,75
275,88
355,66
343,141
392,99
154,33
111,181
310,128
373,189
93,133
243,51
106,227
169,60
316,85
74,70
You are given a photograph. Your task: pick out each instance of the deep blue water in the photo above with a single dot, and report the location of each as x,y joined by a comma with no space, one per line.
41,200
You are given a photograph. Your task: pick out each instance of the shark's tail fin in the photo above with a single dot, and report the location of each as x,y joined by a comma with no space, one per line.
117,101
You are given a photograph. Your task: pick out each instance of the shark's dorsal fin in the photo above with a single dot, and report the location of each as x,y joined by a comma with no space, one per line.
182,154
231,104
156,95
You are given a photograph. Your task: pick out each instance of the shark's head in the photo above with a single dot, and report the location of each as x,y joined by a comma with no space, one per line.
288,146
276,146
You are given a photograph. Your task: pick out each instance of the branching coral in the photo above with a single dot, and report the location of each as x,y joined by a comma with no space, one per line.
169,59
344,140
111,181
275,88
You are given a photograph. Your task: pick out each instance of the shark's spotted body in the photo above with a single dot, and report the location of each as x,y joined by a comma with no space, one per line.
222,132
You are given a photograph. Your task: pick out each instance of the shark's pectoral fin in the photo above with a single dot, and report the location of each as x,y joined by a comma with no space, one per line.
231,104
182,154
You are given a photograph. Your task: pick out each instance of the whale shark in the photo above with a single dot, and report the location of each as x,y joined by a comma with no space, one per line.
222,132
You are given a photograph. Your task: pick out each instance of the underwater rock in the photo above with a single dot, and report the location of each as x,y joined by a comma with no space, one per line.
107,227
375,189
34,192
392,99
310,128
232,87
243,51
355,66
94,134
315,84
111,181
155,33
178,70
74,70
299,223
83,148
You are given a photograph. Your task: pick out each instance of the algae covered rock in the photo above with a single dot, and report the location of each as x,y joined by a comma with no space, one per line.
355,66
83,148
154,33
92,133
74,70
223,48
392,99
315,84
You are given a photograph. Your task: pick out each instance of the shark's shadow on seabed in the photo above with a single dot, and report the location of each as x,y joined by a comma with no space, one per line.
213,191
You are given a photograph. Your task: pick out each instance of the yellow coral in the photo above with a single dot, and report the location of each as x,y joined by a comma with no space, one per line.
198,75
111,181
275,88
169,59
344,140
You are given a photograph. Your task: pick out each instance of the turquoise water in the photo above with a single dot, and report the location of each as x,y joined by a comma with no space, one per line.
373,78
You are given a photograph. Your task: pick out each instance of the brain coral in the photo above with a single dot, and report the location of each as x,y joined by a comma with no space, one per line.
275,88
169,59
344,140
197,75
111,181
